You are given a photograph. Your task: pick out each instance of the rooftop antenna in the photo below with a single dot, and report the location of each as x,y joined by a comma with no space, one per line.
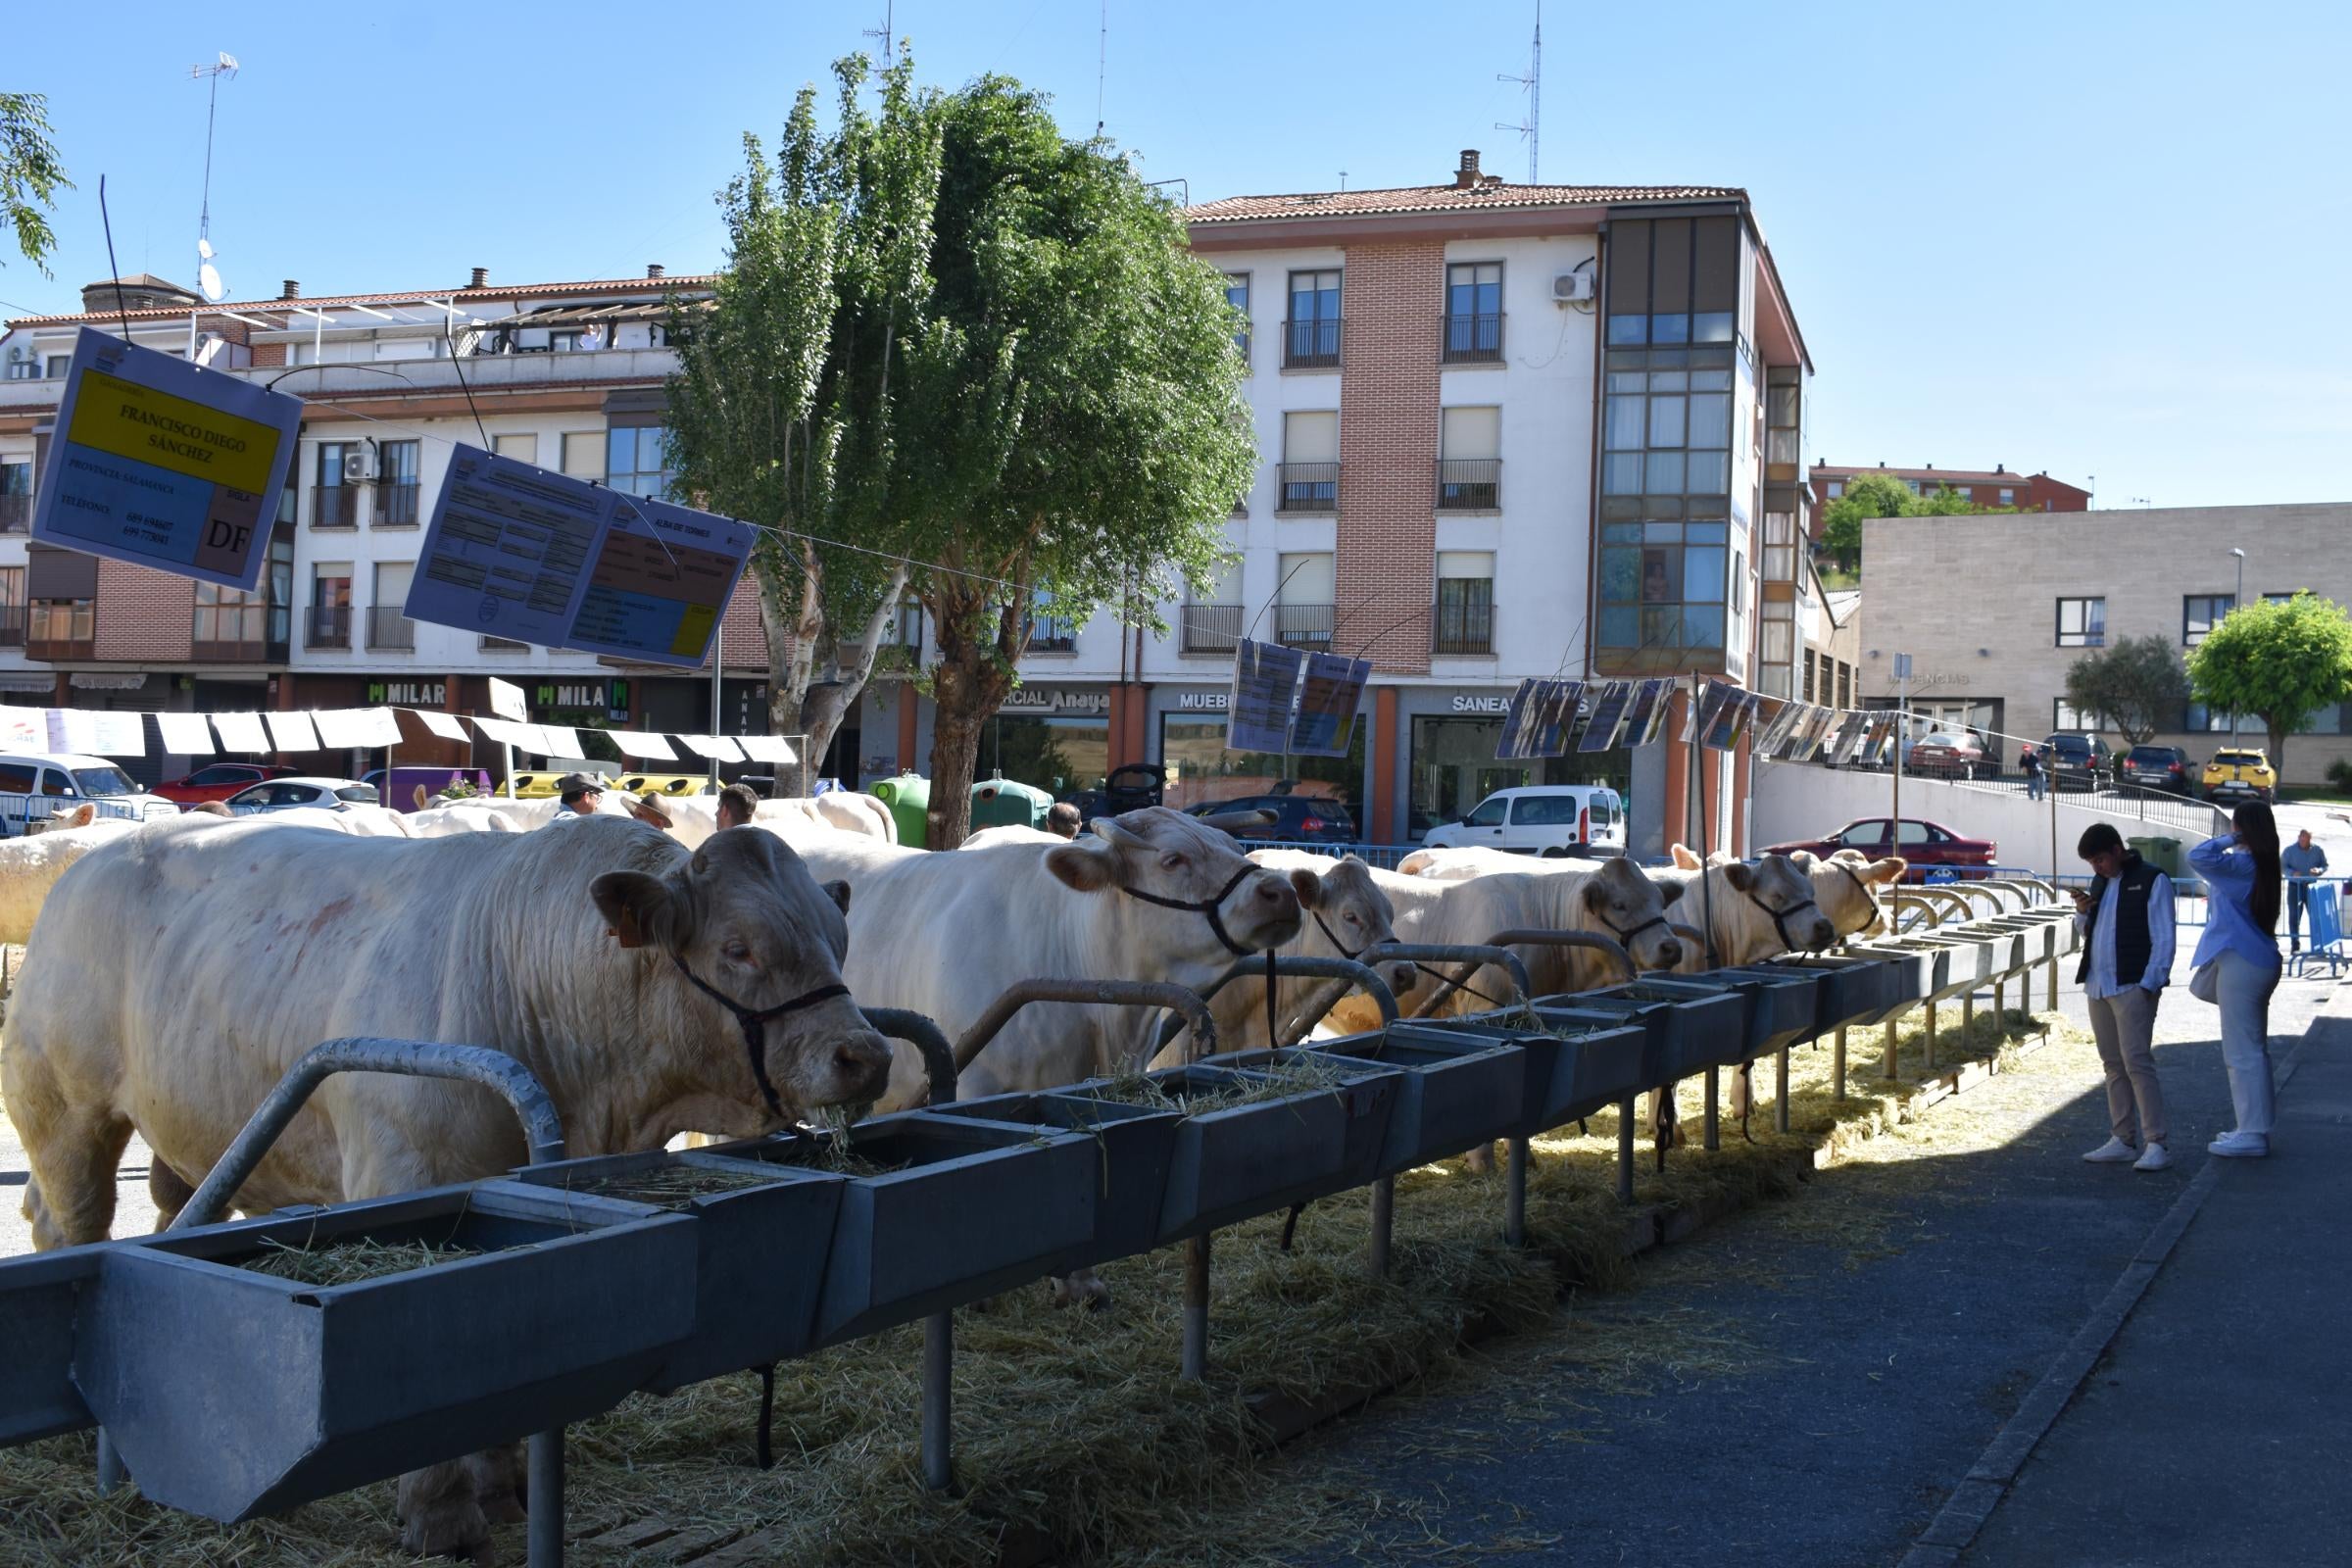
1342,179
1530,128
208,276
1101,65
887,33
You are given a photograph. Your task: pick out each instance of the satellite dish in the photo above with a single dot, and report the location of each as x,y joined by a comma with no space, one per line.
204,249
208,278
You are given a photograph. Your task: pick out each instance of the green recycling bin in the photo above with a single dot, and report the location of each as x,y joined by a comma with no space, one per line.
909,797
2163,854
1008,803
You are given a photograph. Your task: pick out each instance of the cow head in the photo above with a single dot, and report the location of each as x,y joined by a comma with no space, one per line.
1346,913
1208,898
754,948
1620,901
1754,911
1848,887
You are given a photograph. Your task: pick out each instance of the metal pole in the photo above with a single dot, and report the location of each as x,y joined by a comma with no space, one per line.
2054,869
939,1368
1514,1194
506,751
1196,1309
1625,1149
1892,1065
545,1461
718,726
1714,1119
1384,1224
1838,1061
1779,1110
2236,600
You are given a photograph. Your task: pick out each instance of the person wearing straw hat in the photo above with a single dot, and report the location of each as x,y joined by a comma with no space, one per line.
581,794
647,807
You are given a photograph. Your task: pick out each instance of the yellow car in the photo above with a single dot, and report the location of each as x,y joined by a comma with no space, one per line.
2241,776
666,783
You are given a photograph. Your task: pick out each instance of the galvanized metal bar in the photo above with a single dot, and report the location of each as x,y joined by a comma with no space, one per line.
1700,939
1456,953
1532,939
1384,1225
1780,1107
1153,994
1514,1193
1714,1117
1351,973
1625,1150
939,1382
1196,1309
926,1037
1838,1061
544,1459
1916,899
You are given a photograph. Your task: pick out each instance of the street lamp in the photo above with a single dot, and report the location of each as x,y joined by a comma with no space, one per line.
2236,600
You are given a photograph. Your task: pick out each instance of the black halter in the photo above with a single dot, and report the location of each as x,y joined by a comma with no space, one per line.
1780,918
749,1020
1334,940
1206,906
1626,933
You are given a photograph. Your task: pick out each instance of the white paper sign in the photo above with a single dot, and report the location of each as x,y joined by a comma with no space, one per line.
717,748
506,702
186,734
24,729
241,732
530,739
766,748
165,463
661,583
641,746
449,726
340,728
72,729
292,731
119,735
510,548
559,741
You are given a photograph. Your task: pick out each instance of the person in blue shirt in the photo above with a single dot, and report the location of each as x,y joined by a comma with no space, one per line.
2242,875
2126,918
2304,863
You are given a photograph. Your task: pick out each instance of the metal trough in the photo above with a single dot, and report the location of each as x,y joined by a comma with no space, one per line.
1784,1003
1135,1146
1912,975
232,1393
39,1299
1690,1026
1453,1093
1849,988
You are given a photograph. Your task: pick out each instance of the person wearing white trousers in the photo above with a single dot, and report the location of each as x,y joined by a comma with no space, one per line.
2245,989
2241,873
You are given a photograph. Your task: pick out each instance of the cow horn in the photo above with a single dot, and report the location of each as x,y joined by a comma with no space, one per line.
1117,832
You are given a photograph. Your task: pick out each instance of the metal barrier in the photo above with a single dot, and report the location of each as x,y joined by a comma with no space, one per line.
17,812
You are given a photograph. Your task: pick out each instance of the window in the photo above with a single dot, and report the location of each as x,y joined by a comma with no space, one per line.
2008,498
1473,313
396,484
1303,606
1779,546
1845,684
2197,717
1311,462
1835,488
329,622
15,497
1050,633
1808,662
1490,812
1863,834
1237,295
55,366
334,503
2081,623
2067,719
584,454
634,460
1910,831
1544,810
1465,603
1662,587
2281,599
228,619
521,448
2201,613
388,627
1782,404
1311,336
1470,460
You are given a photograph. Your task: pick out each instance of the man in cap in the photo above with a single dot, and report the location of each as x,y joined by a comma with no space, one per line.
647,807
581,794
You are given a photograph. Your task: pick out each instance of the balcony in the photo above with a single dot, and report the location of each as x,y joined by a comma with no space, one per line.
1469,484
11,625
334,506
1464,626
1305,626
1211,628
396,503
1306,487
326,626
502,645
390,630
1051,634
1311,345
16,513
1471,340
230,634
61,628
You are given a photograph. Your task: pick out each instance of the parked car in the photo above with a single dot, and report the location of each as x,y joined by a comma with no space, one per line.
1298,819
2078,761
1945,754
217,781
35,784
1927,845
282,794
2158,768
2240,776
1545,819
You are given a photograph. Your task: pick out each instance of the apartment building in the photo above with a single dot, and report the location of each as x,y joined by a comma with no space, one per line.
2026,492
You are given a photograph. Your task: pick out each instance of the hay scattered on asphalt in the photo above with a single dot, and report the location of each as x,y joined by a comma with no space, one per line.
349,1262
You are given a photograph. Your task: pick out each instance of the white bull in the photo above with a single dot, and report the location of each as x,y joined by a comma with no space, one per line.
29,866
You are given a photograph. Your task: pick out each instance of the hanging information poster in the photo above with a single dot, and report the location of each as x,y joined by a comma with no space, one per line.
1730,720
510,550
1646,714
1609,715
1258,716
1538,720
165,463
1882,739
661,583
1774,727
1714,697
1327,701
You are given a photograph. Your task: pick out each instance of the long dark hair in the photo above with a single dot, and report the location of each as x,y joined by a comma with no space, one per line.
2258,830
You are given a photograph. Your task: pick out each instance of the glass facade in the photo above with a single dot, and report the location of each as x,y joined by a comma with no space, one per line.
1200,768
1053,753
1454,767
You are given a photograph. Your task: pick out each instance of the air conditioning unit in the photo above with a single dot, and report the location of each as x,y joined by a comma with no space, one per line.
1573,288
359,463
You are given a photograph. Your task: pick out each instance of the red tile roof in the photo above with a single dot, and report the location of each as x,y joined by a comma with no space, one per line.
502,292
1445,199
1830,471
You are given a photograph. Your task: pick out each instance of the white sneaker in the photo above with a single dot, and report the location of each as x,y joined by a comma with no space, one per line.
2152,1157
2114,1152
2240,1146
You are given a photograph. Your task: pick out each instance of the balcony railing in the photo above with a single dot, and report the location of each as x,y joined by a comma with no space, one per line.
1465,626
61,628
1051,634
11,625
1212,628
230,634
503,644
388,628
1311,345
326,626
1307,487
16,513
1471,339
1305,626
1469,484
336,505
396,503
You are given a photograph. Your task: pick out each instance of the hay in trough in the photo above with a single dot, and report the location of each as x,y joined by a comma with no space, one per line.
349,1262
1303,1072
669,1186
1072,1428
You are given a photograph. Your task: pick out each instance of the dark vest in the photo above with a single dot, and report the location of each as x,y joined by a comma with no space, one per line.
2131,942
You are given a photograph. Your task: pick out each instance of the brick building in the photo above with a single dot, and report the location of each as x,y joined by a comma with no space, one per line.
2026,492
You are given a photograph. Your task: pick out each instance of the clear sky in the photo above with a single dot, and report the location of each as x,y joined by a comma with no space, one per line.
2102,239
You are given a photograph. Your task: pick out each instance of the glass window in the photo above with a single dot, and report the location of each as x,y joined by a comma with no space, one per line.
2201,613
1237,295
1629,329
584,454
330,464
2066,717
2081,623
634,459
1624,424
2008,498
1865,833
1544,810
521,448
1473,289
1910,831
1315,296
1490,813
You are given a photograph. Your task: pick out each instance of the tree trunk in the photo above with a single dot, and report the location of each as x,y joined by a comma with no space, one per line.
968,684
828,702
2278,739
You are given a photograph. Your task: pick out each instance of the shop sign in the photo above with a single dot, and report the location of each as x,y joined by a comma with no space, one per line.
406,693
1056,700
584,696
1497,706
1204,702
85,681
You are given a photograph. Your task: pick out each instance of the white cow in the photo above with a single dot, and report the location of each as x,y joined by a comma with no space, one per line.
29,866
989,838
177,972
440,821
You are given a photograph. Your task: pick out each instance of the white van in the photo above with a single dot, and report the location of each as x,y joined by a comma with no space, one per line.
1547,819
37,784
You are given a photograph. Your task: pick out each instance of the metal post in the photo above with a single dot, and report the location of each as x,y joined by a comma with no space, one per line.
1514,1194
1196,1309
506,751
2236,600
1779,1110
1892,1065
1625,1148
718,726
1714,1120
1930,1035
1902,732
1838,1061
544,1459
1384,1224
939,1372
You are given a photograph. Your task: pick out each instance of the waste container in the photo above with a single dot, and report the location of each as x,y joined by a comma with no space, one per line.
909,797
2163,854
1008,803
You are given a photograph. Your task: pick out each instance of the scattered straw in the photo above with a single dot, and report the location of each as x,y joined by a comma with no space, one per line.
348,1262
670,1186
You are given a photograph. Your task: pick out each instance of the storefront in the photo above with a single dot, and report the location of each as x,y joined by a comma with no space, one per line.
1055,738
1188,739
1452,736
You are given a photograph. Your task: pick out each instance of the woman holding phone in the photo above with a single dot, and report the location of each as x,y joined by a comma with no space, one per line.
2237,966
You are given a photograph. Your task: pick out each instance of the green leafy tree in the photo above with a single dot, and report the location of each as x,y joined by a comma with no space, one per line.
1867,495
2138,686
2280,661
31,176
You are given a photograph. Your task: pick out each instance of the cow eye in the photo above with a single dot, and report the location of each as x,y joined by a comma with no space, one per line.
1172,860
1351,917
738,950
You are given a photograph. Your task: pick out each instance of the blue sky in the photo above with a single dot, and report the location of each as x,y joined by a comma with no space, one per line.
2100,239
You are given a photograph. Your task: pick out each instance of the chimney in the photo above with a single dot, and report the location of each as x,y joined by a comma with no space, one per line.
653,269
2001,468
482,278
1466,176
291,290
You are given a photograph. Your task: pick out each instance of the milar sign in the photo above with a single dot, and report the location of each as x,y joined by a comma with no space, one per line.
589,696
406,693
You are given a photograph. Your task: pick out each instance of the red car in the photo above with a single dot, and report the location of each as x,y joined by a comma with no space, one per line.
1927,845
217,781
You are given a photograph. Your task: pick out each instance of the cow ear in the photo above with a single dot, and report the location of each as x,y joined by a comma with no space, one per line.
1671,892
1309,888
1890,870
838,893
417,794
1684,859
1738,875
641,910
1802,859
1084,867
84,814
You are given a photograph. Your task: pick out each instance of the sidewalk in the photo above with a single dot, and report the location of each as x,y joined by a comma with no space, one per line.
2214,1428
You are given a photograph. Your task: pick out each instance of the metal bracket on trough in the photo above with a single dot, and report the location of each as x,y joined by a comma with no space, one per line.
1351,972
926,1037
1112,993
1532,939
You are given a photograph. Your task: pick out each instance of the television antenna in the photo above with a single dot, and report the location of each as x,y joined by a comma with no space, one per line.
1530,128
887,33
208,276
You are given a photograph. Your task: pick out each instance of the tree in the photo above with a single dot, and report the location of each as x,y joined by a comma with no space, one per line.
2138,686
2280,661
783,411
1867,495
31,176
